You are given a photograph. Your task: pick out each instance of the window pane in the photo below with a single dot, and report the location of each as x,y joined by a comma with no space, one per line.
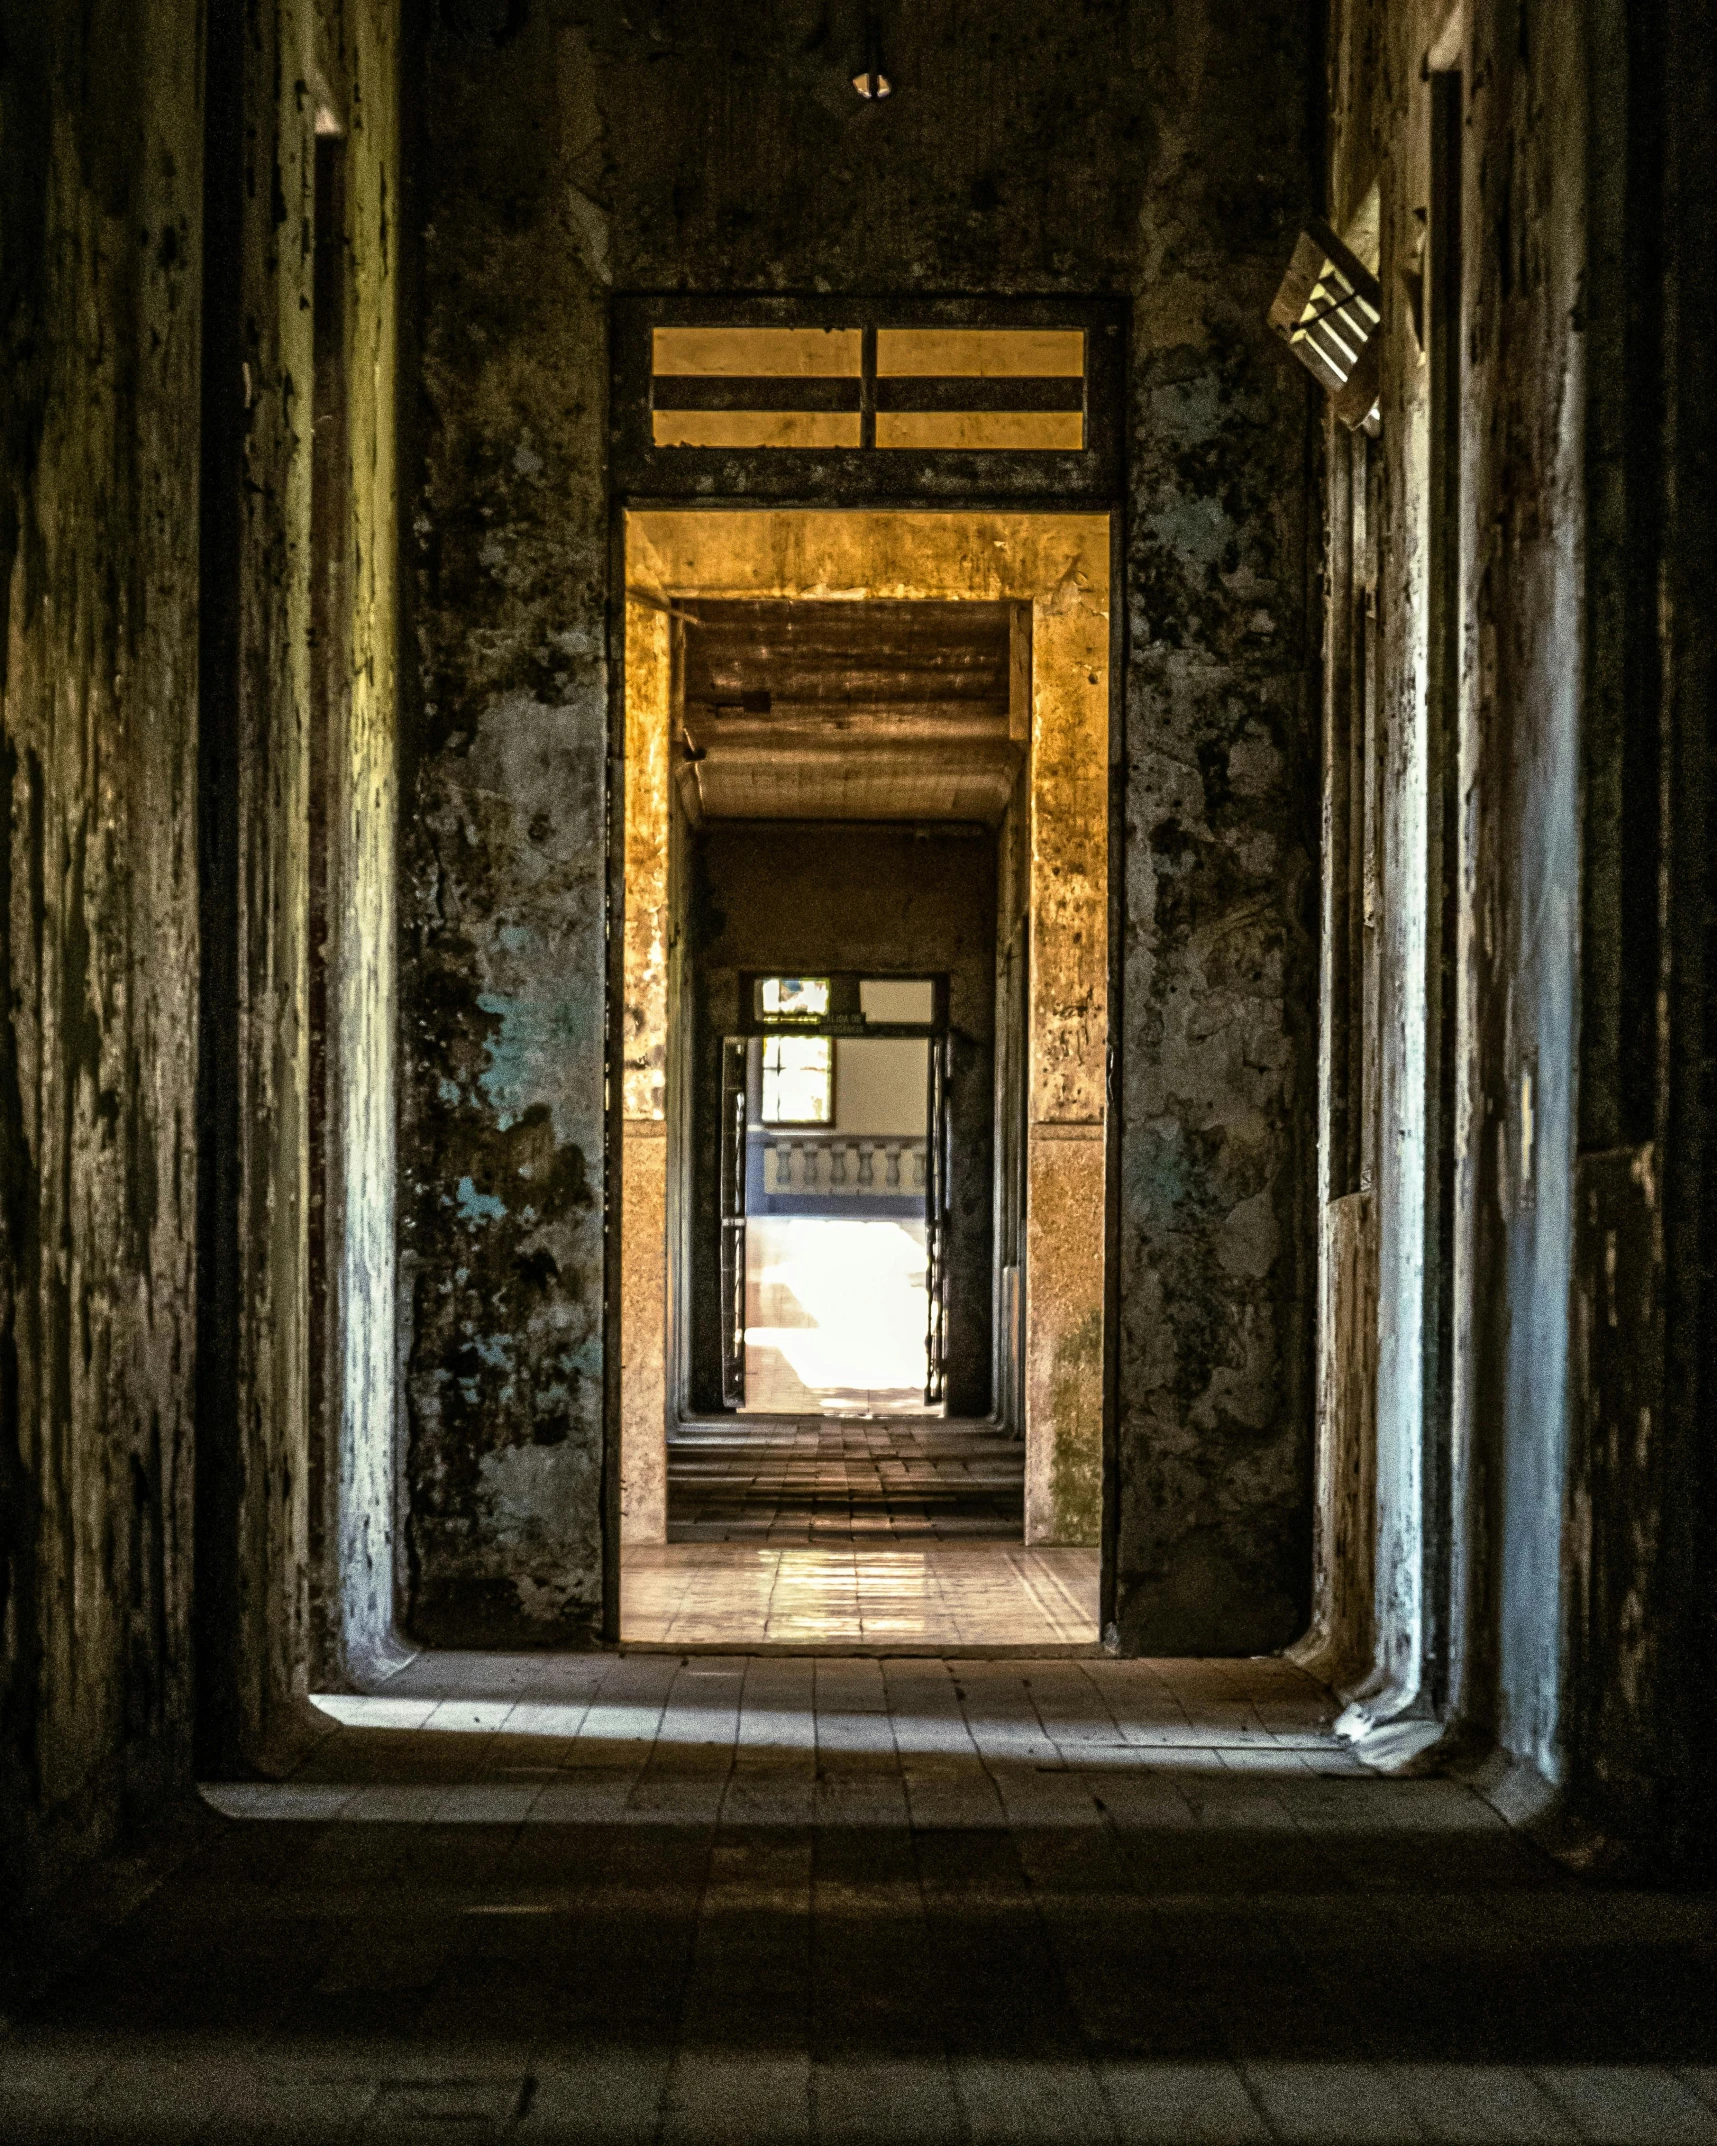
787,997
896,998
1058,431
980,353
798,1080
758,353
757,428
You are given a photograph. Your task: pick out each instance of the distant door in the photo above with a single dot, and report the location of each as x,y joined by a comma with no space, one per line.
936,1159
733,1118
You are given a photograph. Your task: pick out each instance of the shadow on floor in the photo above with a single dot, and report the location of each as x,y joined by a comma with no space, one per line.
645,1898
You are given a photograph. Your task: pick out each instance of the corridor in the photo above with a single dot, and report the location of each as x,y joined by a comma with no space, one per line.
648,1898
858,974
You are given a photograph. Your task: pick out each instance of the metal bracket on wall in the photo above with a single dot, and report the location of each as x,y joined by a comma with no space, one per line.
1329,312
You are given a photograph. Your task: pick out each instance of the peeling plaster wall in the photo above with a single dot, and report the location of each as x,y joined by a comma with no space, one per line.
1523,595
1381,1390
271,70
503,991
1217,1037
252,1541
1682,1778
153,515
1160,152
1640,1733
354,1574
1522,721
100,197
1561,1584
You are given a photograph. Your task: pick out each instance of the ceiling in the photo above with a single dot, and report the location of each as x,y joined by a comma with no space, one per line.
846,711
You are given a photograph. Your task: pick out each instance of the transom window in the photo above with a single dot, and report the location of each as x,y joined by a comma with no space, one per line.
853,401
1012,389
792,998
843,1004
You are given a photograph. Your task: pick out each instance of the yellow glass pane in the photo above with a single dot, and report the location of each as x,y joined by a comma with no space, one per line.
980,353
756,353
756,428
1055,429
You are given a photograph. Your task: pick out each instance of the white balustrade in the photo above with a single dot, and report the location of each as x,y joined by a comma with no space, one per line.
842,1166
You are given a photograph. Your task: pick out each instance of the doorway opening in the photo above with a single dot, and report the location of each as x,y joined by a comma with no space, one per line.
833,1220
862,1244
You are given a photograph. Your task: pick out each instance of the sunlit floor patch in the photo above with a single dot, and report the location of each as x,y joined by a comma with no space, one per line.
836,1315
938,1596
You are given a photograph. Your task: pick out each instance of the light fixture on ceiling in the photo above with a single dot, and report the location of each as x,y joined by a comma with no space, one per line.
870,81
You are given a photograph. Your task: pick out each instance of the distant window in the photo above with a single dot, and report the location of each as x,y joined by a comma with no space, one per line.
892,999
789,998
798,1080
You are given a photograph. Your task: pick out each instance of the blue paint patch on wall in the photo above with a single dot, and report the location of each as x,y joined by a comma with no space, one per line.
586,1359
1162,1176
478,1206
538,1054
1198,531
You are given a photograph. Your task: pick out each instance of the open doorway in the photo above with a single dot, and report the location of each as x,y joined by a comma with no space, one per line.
833,1216
866,970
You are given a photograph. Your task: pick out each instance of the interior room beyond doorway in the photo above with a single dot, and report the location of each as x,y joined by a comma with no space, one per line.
836,1279
865,1017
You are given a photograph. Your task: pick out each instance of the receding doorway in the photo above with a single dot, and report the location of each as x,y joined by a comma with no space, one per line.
834,1284
865,1022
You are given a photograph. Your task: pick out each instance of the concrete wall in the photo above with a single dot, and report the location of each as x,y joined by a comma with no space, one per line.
1535,1519
153,1226
568,151
275,76
100,200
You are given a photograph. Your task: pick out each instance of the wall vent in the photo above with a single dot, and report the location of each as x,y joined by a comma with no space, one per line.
1329,311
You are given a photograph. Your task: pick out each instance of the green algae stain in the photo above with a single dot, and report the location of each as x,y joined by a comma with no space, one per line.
1076,1425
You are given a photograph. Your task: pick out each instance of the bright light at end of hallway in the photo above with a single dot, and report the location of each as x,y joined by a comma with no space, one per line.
858,1288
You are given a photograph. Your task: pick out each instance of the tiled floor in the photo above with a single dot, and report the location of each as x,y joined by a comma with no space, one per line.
641,1901
930,1599
746,1480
